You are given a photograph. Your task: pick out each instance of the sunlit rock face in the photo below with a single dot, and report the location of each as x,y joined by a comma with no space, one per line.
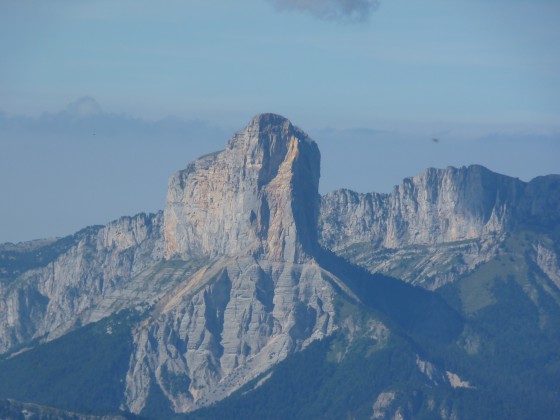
259,197
437,206
224,326
437,226
230,279
91,275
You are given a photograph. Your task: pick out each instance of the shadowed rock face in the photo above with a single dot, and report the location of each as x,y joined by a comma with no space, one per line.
259,197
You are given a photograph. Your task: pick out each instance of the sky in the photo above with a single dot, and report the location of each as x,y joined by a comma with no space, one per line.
101,101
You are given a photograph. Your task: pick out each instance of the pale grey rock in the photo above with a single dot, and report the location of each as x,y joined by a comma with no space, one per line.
27,246
549,262
439,225
437,206
386,407
44,303
382,404
227,276
16,410
428,266
258,197
348,217
232,321
456,382
392,405
450,205
439,377
434,375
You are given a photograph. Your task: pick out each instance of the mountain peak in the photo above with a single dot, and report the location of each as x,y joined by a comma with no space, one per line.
268,122
269,119
258,197
263,127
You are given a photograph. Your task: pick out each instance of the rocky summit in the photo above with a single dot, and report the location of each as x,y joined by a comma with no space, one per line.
250,296
258,197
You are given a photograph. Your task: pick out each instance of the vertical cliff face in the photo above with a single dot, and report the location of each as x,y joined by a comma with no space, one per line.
349,217
227,274
450,205
231,278
437,206
437,226
258,197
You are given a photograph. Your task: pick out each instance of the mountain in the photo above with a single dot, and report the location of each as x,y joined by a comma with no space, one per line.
250,296
250,210
461,215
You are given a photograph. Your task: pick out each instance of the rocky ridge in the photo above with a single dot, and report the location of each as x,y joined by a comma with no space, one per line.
227,273
438,206
15,410
95,270
452,218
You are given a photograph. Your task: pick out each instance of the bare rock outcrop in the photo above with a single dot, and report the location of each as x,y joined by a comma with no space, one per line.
437,206
258,197
45,302
229,323
439,225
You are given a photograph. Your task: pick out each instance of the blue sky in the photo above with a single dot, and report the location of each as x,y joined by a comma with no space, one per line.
432,60
373,83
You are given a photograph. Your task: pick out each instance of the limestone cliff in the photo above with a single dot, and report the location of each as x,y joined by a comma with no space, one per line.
226,278
436,226
258,197
230,322
437,206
